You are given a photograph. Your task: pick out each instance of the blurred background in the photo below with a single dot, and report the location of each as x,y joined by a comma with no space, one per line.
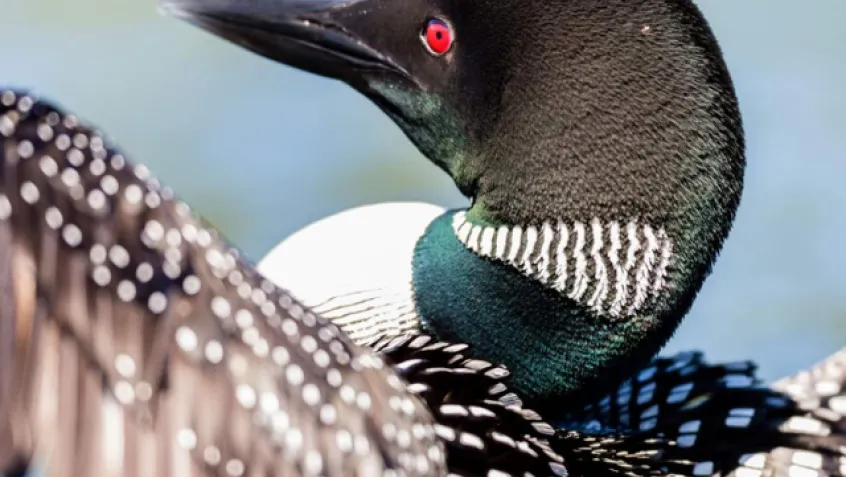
262,150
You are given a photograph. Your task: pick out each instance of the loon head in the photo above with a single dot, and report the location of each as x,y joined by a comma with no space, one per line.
599,141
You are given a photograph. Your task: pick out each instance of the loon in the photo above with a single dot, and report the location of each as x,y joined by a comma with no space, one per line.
600,144
139,343
129,311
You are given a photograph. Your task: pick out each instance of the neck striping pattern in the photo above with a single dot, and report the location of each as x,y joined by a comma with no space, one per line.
615,269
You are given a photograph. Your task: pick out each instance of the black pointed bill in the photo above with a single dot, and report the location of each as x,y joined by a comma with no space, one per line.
308,35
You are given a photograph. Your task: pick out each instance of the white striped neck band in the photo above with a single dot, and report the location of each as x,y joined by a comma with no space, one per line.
616,269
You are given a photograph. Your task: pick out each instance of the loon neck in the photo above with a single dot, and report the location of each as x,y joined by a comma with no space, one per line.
567,305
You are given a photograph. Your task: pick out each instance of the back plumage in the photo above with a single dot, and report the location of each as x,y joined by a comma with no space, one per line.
726,423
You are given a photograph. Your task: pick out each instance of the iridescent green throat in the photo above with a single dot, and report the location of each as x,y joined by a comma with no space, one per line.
502,292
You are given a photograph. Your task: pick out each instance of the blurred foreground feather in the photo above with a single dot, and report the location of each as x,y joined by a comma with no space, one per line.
139,339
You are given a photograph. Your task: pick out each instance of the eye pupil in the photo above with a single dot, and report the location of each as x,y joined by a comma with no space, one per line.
437,37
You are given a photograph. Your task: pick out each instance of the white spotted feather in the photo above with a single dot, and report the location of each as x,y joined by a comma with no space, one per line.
142,344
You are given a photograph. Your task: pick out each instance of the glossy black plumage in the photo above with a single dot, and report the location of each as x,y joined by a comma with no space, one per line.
681,416
484,426
470,396
726,422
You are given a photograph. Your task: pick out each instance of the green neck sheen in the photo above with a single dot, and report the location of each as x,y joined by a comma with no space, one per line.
551,346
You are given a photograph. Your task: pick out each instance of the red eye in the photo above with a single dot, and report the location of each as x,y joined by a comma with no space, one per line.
437,37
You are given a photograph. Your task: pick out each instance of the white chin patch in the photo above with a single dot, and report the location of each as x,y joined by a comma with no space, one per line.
354,267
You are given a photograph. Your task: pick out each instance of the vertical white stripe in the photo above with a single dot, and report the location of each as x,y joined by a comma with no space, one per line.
516,235
580,275
597,300
634,246
487,242
501,241
531,241
631,254
561,258
464,232
621,277
651,247
644,271
457,222
546,244
473,240
666,252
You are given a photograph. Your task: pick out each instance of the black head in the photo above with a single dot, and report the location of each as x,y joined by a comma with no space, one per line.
591,101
